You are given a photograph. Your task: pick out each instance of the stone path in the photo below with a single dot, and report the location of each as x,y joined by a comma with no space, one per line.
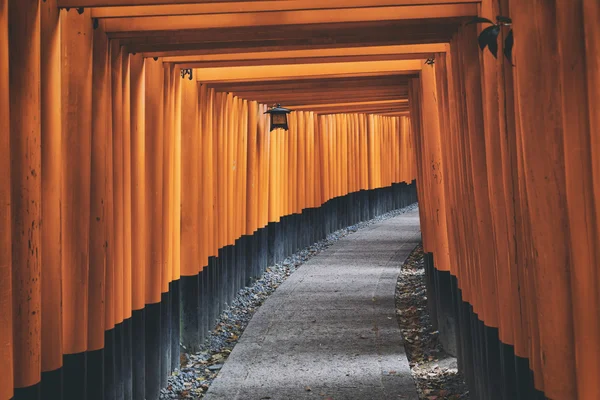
330,331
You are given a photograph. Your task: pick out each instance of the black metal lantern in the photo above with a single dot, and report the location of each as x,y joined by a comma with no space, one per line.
278,117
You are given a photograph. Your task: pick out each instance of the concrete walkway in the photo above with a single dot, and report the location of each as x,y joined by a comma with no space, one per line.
330,330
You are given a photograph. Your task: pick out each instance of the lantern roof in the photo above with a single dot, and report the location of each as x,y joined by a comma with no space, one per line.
278,110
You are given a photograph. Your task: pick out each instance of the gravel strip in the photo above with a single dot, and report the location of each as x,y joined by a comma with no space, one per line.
198,370
435,372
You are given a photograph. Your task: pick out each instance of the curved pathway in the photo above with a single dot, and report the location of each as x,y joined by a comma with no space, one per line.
330,330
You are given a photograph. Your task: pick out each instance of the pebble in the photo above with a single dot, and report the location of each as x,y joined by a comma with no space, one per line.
198,370
435,372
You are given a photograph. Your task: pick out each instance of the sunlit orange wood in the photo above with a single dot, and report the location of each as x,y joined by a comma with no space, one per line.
273,72
299,55
26,189
6,311
221,182
252,178
178,173
578,118
433,167
154,155
75,191
210,174
127,173
190,207
201,156
264,163
326,16
118,199
98,191
168,177
248,6
230,173
51,182
139,224
243,166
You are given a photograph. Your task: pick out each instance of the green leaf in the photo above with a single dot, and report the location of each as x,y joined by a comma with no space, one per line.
489,38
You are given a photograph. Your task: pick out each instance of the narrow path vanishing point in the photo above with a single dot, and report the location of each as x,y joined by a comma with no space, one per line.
330,330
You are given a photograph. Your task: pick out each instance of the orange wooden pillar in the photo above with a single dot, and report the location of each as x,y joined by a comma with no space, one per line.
98,216
200,159
168,286
537,74
127,372
252,177
434,167
52,348
578,44
115,314
6,312
262,199
190,213
153,164
75,194
177,184
26,193
139,234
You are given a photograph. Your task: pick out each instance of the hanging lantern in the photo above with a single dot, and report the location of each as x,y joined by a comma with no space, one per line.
278,117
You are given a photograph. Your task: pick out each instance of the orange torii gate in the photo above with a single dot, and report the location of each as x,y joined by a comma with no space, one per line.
129,190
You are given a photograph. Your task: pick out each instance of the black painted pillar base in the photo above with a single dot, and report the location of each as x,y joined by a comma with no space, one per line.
28,393
211,298
153,351
190,325
127,359
138,354
445,313
109,365
219,278
75,376
203,304
52,385
175,290
165,338
490,367
95,375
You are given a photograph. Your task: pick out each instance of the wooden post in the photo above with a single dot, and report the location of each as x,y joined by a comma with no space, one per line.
138,223
6,312
52,348
167,221
98,216
154,103
26,189
127,346
118,175
190,217
75,193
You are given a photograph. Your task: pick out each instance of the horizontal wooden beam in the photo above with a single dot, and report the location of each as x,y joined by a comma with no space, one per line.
336,37
313,60
396,114
295,98
150,4
408,49
366,104
300,17
362,109
225,7
323,83
274,72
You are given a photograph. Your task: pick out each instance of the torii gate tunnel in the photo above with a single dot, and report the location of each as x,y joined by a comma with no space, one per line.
135,201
